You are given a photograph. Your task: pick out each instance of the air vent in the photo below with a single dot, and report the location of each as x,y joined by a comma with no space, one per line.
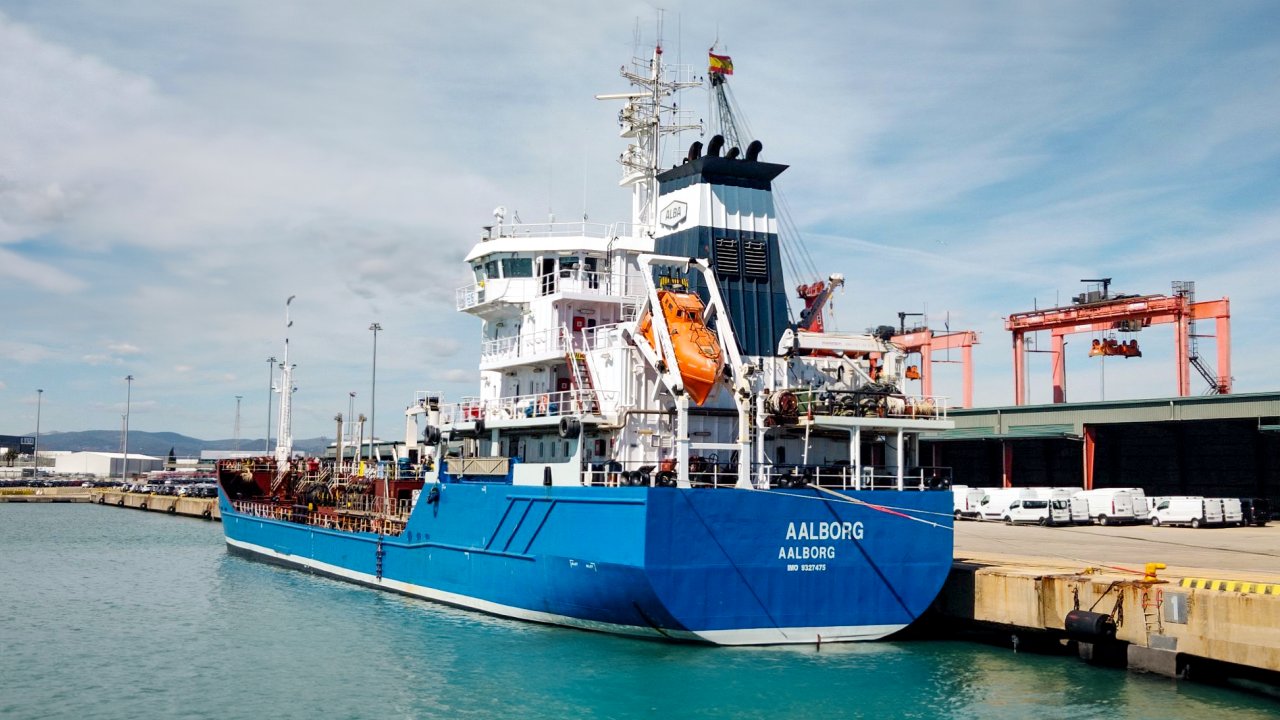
727,257
756,259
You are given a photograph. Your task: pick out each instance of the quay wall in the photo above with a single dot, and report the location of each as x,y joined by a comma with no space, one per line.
206,508
1164,626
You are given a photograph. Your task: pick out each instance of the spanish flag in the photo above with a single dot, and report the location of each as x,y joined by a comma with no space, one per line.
722,64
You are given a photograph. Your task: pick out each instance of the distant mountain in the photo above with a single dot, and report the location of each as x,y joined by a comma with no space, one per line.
159,443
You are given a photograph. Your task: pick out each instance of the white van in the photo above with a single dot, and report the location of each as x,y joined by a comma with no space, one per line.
1186,510
1059,504
1232,512
997,500
1141,509
967,500
1110,506
1027,510
1079,506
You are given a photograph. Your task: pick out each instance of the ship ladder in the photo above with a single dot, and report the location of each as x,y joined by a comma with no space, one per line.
585,401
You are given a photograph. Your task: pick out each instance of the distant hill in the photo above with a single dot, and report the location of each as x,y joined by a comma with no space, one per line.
159,443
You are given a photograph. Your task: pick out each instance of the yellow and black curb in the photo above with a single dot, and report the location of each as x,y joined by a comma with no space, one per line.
1231,586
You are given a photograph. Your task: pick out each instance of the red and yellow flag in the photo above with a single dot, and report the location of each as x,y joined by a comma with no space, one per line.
722,64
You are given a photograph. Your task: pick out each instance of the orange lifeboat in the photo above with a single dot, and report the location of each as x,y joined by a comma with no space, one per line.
697,347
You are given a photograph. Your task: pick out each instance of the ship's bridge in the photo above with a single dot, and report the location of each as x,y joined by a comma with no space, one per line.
518,264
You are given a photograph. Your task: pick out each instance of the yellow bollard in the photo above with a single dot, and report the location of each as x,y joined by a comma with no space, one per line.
1151,568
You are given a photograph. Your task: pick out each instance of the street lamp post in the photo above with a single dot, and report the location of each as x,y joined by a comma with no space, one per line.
351,414
35,454
271,378
128,400
373,396
373,407
237,428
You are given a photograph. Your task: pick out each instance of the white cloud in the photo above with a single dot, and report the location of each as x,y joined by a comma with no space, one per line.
171,176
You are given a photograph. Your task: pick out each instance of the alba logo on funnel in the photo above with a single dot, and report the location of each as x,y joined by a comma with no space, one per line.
674,213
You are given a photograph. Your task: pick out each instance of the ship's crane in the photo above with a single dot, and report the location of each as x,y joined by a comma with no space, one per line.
816,296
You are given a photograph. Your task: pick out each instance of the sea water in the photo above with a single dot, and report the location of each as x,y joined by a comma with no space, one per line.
115,613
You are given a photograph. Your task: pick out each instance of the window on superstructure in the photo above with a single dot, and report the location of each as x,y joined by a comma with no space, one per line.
517,267
491,269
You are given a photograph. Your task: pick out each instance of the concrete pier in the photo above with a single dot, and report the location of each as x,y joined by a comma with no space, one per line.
206,508
1221,611
44,495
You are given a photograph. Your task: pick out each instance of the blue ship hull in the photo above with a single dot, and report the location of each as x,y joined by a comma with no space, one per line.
723,566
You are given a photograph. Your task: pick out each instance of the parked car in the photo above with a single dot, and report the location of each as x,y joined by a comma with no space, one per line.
1059,503
1255,511
1187,510
1028,510
1232,512
997,500
967,501
1110,506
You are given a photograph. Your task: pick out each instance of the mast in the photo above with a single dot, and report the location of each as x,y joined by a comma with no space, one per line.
284,430
648,115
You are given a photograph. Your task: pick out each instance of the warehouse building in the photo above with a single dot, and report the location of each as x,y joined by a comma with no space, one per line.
105,464
1215,445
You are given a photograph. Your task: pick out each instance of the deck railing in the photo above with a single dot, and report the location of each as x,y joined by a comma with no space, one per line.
532,405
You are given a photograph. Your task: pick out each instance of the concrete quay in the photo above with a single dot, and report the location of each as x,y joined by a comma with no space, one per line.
44,495
206,508
1212,612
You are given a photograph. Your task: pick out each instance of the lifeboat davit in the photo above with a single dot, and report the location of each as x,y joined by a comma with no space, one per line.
696,346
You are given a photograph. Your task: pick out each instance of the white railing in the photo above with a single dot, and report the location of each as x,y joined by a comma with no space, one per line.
534,405
564,229
601,337
626,287
525,345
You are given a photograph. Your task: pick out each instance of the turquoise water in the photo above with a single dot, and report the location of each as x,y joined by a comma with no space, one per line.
109,613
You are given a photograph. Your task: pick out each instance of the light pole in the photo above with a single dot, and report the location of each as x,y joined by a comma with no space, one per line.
351,415
237,433
373,393
35,454
373,408
271,378
128,400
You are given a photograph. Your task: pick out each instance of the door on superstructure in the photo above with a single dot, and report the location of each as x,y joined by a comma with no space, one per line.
548,275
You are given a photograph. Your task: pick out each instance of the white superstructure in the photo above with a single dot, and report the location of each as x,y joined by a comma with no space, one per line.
572,392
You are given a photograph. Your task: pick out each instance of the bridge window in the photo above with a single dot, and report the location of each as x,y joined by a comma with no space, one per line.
517,267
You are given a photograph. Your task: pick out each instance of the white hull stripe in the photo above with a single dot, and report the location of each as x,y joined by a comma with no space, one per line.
745,636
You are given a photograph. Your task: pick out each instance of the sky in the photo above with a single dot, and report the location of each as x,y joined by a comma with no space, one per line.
170,172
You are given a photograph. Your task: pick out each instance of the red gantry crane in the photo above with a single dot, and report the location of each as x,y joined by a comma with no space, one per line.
926,342
1098,311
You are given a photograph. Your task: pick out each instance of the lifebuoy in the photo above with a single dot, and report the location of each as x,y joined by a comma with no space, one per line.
543,401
